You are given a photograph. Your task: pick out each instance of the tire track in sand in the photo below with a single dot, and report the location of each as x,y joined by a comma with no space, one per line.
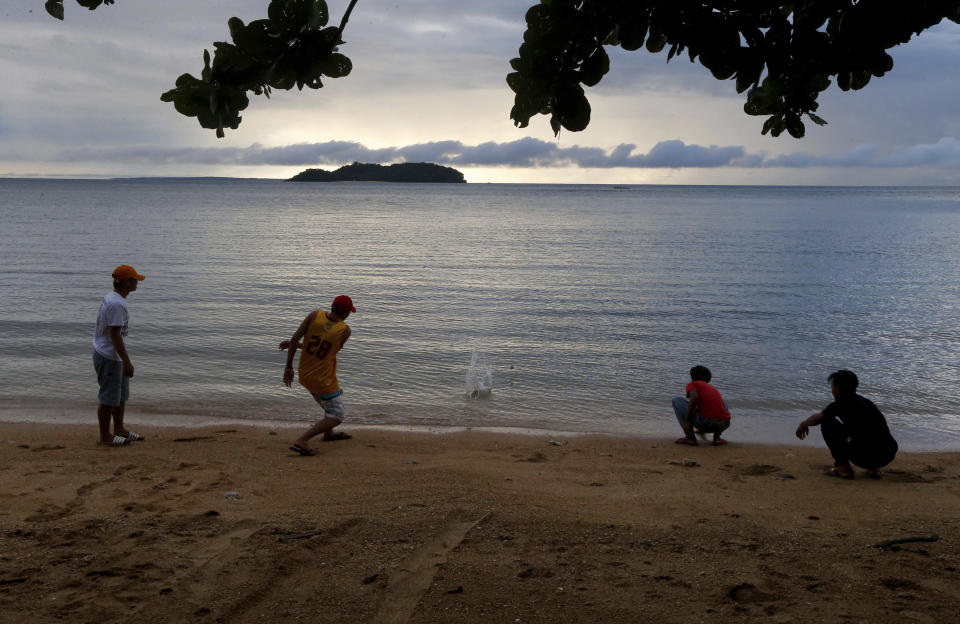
417,571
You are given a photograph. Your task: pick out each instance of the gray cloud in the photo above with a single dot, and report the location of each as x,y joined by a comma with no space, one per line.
860,156
676,153
945,153
525,153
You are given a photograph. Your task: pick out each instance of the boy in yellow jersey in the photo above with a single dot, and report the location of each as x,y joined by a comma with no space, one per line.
323,334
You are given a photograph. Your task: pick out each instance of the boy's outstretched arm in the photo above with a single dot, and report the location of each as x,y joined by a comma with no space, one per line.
812,421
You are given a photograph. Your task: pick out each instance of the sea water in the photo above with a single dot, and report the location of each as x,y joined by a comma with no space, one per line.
588,303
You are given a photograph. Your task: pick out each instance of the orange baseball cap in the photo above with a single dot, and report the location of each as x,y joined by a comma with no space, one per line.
125,271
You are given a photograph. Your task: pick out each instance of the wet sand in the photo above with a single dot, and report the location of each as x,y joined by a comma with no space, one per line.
225,524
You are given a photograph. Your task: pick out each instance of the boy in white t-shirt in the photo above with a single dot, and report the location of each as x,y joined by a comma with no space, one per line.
110,359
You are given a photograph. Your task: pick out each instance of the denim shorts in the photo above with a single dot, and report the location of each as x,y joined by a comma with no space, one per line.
114,387
706,425
332,404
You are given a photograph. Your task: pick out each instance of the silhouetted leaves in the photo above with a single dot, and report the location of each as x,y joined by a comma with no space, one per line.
213,104
293,47
783,54
55,7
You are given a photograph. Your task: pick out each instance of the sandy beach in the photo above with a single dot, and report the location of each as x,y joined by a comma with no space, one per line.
224,524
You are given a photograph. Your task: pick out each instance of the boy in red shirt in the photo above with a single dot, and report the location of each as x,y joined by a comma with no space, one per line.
703,410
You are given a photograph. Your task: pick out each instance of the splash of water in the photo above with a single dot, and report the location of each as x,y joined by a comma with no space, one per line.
479,376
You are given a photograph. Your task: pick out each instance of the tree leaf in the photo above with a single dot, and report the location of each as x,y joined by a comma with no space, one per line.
337,66
859,79
594,67
319,15
795,126
54,8
843,80
655,43
767,125
519,117
633,32
573,108
205,74
515,81
236,26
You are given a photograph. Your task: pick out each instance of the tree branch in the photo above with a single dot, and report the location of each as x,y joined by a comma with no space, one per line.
346,16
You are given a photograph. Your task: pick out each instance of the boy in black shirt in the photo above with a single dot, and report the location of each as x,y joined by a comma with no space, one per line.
853,428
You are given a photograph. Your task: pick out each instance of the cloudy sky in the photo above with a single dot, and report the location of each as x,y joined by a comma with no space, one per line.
82,98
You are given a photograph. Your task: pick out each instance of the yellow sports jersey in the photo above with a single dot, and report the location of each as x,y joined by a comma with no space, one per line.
318,356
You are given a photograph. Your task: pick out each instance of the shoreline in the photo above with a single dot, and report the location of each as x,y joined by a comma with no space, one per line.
138,418
46,415
226,524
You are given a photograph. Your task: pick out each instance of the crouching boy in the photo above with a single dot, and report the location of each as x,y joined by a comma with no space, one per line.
703,409
853,428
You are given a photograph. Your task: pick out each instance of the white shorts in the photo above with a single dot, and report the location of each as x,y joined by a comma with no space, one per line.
332,404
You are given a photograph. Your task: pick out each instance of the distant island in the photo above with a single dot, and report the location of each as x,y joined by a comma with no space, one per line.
368,172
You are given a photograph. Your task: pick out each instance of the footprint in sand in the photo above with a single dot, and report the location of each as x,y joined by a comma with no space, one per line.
750,593
123,469
535,573
535,458
758,470
902,476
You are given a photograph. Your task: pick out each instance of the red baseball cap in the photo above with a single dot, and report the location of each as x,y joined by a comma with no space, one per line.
345,303
125,271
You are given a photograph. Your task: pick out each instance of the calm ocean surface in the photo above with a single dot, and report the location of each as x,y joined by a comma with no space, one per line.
589,303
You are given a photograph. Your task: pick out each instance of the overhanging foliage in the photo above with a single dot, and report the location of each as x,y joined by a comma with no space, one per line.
781,54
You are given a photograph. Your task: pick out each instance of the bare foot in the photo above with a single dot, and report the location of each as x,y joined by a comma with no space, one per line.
688,441
719,441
